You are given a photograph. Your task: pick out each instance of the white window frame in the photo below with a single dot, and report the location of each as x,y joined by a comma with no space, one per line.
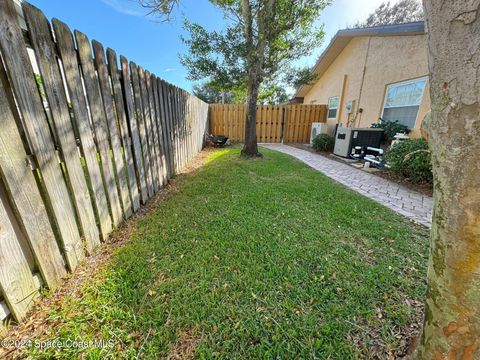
405,82
336,108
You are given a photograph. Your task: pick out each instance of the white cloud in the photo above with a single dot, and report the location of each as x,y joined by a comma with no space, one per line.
170,69
122,7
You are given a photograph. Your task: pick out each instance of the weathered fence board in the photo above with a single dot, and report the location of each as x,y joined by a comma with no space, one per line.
132,116
152,133
184,143
99,123
122,121
82,145
157,130
16,280
22,189
80,111
164,125
114,138
176,126
178,96
44,47
146,132
19,70
137,90
173,116
168,101
275,123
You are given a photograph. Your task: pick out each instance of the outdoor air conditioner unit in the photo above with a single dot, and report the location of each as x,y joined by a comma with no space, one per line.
347,138
319,128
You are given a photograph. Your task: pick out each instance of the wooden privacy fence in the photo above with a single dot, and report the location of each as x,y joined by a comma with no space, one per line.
275,123
83,143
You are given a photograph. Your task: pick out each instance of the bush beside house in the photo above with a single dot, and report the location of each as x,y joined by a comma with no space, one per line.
323,142
411,159
390,129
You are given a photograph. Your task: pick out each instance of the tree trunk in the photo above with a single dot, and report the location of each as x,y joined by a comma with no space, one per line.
452,315
250,147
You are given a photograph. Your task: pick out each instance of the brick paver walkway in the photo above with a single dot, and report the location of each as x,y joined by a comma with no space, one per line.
404,201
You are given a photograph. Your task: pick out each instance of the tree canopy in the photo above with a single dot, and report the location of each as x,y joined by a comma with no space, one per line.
401,12
257,46
227,56
212,92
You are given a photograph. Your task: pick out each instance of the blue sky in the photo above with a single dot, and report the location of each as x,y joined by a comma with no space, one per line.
123,26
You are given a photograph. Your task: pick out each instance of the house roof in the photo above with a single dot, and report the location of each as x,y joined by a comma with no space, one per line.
343,37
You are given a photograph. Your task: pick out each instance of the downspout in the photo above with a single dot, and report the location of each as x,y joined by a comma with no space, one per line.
342,99
362,81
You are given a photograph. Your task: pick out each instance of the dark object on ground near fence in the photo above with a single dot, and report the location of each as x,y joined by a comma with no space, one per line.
217,140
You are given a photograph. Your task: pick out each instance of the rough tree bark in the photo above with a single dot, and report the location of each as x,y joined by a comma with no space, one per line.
452,315
250,147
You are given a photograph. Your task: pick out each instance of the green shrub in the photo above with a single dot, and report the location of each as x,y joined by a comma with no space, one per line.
391,128
411,159
323,142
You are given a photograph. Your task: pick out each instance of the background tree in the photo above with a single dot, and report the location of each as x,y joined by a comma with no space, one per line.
260,40
401,12
211,92
452,315
271,94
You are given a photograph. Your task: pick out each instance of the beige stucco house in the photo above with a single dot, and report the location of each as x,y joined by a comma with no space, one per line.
371,73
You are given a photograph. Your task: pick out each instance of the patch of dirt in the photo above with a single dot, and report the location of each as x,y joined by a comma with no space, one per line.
89,270
367,337
186,345
425,189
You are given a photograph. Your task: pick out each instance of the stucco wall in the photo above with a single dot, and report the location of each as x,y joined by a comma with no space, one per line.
386,60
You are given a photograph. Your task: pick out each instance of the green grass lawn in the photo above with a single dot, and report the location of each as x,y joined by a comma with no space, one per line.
253,259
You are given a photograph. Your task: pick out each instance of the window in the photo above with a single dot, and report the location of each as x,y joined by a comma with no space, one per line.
332,107
402,101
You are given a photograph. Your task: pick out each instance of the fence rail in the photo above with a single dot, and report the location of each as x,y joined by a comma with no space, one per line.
83,143
275,123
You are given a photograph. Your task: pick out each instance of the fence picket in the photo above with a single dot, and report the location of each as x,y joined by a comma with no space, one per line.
16,280
171,121
166,126
123,125
134,107
113,137
152,134
147,156
176,127
158,132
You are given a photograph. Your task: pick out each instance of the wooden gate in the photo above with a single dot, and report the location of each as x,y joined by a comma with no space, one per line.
299,119
275,123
